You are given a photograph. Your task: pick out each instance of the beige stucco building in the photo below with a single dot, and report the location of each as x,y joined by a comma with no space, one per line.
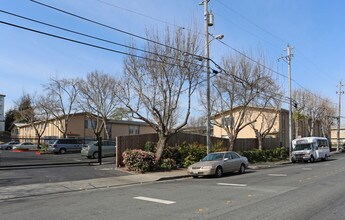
280,128
80,126
334,136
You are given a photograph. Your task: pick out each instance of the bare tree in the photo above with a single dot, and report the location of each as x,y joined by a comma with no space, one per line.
313,110
157,87
98,97
60,102
242,84
34,114
300,98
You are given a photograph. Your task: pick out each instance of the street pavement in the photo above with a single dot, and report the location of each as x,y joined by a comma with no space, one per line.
28,190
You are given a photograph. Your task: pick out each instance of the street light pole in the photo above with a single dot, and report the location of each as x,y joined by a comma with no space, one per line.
207,56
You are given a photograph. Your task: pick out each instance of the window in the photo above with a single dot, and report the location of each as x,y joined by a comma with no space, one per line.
90,124
228,121
234,155
133,129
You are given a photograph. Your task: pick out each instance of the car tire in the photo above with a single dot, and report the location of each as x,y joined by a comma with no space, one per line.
62,151
219,172
312,160
95,155
8,148
195,177
242,169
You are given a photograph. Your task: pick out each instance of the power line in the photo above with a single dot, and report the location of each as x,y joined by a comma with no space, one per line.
93,37
84,43
251,22
104,25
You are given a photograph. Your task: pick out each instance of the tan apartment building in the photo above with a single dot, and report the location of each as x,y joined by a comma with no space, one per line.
80,126
279,130
334,136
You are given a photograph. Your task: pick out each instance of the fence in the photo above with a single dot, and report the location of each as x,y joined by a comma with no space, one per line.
139,141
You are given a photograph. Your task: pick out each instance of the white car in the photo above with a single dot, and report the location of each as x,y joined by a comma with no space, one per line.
26,146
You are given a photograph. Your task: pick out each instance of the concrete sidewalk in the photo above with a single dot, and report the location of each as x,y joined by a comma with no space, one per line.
22,191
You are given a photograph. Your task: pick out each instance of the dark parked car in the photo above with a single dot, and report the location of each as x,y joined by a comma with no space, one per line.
8,145
63,146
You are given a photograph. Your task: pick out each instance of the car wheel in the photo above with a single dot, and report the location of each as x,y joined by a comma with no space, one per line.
242,169
62,151
326,157
195,177
312,160
95,155
219,172
8,148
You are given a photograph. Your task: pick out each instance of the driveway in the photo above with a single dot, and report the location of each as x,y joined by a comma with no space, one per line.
29,168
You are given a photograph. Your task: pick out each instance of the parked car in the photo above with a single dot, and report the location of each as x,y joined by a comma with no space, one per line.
8,145
219,163
90,150
26,146
65,145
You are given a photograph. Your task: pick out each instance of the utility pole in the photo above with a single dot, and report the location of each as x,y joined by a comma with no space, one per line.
207,56
287,59
340,92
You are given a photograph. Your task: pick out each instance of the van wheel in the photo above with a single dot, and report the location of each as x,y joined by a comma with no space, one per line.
312,160
62,151
326,157
95,155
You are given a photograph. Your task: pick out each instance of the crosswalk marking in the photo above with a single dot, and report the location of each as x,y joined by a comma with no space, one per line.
276,174
231,184
167,202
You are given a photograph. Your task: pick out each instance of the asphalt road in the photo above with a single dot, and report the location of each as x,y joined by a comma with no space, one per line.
296,191
53,168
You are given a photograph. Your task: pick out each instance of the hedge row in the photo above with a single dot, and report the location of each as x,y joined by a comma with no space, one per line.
186,154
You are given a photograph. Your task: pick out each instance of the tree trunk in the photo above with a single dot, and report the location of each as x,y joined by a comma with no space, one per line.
260,142
232,143
160,146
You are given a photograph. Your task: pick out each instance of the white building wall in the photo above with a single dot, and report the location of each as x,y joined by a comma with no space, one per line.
2,113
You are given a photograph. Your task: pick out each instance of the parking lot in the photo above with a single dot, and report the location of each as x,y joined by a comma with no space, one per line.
17,168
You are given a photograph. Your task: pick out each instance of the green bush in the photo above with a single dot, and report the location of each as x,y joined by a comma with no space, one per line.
168,164
149,146
218,147
270,155
190,153
139,160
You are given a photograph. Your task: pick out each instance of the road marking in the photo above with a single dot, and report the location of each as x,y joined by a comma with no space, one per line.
167,202
272,174
307,168
231,184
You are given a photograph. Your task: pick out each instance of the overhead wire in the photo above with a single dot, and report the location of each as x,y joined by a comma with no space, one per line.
152,41
84,43
104,25
90,36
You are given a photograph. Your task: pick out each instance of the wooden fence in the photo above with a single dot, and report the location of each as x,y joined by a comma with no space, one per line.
138,142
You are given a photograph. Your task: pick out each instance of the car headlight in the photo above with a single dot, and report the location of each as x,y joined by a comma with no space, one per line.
206,167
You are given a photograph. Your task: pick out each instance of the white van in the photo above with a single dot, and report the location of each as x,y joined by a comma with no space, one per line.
309,149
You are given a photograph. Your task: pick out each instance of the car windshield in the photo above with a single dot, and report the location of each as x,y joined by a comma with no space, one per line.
302,147
213,156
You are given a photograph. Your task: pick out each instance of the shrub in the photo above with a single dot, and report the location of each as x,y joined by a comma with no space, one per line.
149,146
139,160
190,153
168,164
276,154
218,147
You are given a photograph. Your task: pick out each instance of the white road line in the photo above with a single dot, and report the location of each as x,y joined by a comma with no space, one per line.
154,200
231,184
272,174
307,168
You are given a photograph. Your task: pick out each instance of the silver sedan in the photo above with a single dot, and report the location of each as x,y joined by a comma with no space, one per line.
219,163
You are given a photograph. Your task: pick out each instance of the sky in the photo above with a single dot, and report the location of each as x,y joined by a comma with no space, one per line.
314,28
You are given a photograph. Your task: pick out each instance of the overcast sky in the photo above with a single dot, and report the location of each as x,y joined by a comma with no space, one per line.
315,28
